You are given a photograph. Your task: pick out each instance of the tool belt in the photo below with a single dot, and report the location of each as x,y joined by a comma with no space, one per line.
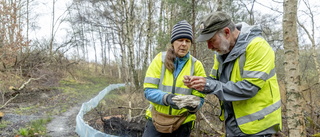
165,123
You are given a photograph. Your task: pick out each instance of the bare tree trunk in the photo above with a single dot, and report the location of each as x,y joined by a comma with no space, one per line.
27,20
52,28
149,35
219,2
311,36
94,48
315,60
130,37
103,46
194,6
124,69
109,46
161,26
250,11
295,103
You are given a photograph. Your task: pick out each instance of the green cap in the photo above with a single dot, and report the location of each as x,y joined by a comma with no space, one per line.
213,23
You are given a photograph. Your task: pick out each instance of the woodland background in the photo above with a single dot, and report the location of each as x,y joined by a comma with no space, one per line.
119,38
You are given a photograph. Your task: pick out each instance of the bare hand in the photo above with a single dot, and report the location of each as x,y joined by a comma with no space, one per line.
187,81
195,82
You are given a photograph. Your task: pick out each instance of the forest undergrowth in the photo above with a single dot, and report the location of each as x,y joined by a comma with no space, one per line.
45,98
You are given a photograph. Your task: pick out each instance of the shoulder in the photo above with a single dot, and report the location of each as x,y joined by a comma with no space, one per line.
159,56
197,62
259,48
258,43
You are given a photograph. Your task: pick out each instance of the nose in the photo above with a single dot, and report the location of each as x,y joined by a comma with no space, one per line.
184,42
210,45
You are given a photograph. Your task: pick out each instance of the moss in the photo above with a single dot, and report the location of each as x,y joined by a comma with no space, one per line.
35,128
4,124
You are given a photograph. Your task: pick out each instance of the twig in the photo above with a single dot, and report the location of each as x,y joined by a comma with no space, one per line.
111,126
130,108
2,97
212,127
129,113
9,101
141,114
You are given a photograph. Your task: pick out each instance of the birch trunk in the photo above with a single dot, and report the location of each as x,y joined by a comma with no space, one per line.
130,34
149,35
295,102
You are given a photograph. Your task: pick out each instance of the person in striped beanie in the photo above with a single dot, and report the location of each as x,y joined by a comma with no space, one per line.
181,30
172,104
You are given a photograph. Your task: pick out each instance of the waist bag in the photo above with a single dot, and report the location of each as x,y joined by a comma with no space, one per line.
165,123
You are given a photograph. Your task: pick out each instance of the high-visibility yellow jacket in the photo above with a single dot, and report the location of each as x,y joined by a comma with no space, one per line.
158,77
246,84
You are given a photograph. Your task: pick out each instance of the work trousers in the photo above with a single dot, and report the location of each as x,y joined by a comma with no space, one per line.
183,131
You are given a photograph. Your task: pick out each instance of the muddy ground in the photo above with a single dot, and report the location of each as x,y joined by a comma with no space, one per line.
32,105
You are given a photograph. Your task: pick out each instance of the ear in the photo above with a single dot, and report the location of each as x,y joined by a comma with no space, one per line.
227,32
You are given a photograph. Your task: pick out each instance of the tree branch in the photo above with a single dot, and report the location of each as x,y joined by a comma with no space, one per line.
212,127
9,101
24,84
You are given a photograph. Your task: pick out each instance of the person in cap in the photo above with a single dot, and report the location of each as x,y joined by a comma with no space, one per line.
163,85
243,77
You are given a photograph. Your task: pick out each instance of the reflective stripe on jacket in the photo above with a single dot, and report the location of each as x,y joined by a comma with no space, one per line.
255,65
158,77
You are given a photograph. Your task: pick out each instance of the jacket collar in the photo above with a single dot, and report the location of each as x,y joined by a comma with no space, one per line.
247,33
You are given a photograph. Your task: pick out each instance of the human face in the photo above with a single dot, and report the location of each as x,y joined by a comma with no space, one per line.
181,46
219,43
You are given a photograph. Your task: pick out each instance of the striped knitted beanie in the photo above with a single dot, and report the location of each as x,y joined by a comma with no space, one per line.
181,30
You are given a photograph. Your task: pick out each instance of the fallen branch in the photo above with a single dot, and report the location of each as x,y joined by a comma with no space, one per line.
24,84
17,90
9,101
130,108
212,127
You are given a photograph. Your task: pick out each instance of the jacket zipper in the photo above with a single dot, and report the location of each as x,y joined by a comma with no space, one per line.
173,91
174,84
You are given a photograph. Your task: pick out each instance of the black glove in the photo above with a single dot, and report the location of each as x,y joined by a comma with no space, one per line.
168,101
191,110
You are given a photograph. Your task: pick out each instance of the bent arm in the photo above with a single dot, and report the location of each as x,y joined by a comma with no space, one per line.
154,95
231,91
259,67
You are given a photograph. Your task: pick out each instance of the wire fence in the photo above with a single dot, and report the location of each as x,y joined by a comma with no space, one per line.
83,129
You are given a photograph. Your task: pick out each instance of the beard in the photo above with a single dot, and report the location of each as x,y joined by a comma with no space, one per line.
224,46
